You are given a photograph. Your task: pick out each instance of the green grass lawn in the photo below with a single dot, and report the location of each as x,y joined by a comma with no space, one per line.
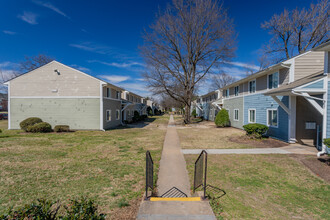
105,166
265,187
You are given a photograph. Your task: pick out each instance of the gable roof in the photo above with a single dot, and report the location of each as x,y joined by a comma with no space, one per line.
54,61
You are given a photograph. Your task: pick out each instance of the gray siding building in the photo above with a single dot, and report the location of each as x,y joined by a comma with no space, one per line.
61,95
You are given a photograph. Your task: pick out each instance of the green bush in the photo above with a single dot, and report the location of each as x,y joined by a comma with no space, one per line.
255,130
40,209
0,131
44,209
62,128
82,209
136,117
29,122
194,113
222,118
42,127
326,141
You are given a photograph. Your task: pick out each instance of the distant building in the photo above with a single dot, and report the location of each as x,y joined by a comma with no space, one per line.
3,102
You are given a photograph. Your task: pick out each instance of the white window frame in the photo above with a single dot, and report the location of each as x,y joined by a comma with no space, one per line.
117,112
227,93
237,90
278,80
272,109
117,94
255,85
108,93
236,109
106,115
255,115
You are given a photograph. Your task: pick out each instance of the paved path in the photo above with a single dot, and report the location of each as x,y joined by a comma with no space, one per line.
290,149
173,173
172,167
237,151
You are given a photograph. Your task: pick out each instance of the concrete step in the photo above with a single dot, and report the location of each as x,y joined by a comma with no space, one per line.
173,210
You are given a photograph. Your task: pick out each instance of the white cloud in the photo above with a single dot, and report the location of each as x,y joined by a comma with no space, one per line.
81,68
245,65
9,32
6,75
114,78
91,47
119,65
138,88
29,17
51,7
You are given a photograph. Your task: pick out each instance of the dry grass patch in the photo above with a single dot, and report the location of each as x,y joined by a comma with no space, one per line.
210,138
265,186
105,166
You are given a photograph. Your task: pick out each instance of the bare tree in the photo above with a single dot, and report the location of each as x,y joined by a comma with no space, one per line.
185,42
221,80
297,31
33,62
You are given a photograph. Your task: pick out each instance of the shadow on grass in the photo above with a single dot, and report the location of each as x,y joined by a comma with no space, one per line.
140,124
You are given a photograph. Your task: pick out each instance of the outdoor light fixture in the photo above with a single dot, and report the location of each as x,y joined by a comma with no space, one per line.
56,71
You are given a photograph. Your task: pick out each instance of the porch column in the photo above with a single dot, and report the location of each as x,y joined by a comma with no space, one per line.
292,119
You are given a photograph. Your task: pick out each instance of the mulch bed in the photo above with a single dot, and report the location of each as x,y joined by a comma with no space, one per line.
263,143
319,166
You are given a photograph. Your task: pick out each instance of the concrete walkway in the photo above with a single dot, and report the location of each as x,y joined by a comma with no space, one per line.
172,167
290,149
173,173
237,151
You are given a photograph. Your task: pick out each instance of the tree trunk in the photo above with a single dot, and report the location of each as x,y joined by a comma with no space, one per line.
187,114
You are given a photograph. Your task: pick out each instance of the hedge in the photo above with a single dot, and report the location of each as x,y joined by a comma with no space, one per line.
29,122
62,128
255,130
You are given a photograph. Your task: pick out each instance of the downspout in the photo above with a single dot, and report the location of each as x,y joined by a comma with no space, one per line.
101,106
324,125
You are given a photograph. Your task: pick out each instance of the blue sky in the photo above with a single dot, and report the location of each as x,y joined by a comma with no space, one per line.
101,37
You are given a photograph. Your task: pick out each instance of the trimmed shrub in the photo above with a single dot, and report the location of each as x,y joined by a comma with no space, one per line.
62,128
0,131
222,118
255,130
194,113
42,127
29,122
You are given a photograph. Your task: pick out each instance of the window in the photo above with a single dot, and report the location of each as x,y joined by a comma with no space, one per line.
227,93
252,116
127,113
108,92
272,117
252,86
108,116
127,97
236,90
273,80
117,95
235,114
117,114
